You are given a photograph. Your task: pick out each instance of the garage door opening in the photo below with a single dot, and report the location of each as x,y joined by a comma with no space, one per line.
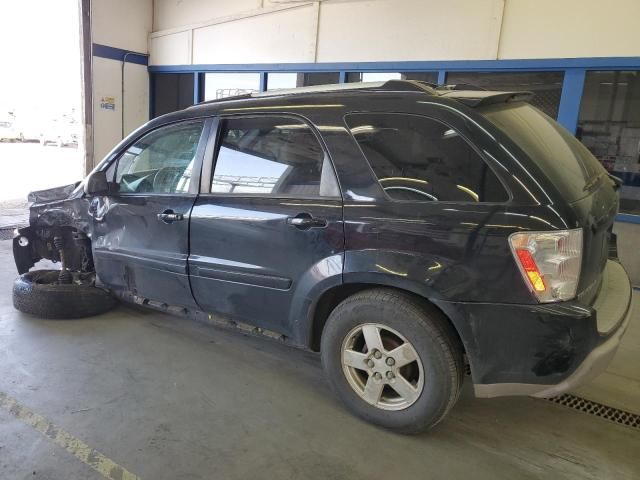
41,140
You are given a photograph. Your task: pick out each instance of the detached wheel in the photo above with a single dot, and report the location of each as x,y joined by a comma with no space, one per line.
393,360
39,293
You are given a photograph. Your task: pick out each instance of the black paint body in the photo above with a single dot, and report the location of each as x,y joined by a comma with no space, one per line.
237,256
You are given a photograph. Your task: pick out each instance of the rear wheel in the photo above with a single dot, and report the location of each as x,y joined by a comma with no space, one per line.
393,360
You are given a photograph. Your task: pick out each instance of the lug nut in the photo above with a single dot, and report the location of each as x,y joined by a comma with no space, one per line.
370,363
377,376
390,375
390,361
377,354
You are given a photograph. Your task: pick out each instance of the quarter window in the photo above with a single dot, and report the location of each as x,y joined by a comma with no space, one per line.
276,156
420,159
161,161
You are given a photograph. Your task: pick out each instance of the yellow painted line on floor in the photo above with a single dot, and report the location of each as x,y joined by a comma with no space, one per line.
76,447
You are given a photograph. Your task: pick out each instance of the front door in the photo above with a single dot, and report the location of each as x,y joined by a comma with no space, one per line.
267,228
141,231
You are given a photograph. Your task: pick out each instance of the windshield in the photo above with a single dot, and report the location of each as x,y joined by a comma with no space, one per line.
567,163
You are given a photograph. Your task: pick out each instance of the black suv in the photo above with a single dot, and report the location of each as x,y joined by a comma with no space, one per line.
402,230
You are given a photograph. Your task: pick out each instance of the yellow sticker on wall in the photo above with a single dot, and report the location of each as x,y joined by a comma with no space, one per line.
108,103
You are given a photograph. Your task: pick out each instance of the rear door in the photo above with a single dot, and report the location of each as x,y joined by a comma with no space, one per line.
267,229
141,231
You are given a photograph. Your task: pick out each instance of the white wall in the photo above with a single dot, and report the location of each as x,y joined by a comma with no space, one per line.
264,31
106,123
283,36
124,24
570,28
177,13
368,30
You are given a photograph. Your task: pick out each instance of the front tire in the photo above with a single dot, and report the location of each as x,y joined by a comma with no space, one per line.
394,360
39,293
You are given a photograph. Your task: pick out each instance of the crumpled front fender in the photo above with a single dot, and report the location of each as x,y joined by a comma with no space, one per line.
24,251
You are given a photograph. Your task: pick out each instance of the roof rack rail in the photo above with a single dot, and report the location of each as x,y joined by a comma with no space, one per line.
388,85
224,99
391,85
462,86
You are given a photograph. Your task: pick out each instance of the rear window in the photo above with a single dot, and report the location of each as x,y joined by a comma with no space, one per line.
565,161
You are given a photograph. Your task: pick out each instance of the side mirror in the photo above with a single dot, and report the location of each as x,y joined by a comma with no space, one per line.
96,183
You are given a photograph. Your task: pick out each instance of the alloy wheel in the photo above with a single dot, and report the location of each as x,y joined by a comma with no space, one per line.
382,367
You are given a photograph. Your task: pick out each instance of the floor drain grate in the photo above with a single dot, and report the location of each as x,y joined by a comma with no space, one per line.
599,410
6,233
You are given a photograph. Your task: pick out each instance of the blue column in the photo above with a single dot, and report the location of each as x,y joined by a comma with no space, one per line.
571,97
152,95
343,77
264,79
198,87
442,77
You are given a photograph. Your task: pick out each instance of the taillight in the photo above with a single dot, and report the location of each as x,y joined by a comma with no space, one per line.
549,262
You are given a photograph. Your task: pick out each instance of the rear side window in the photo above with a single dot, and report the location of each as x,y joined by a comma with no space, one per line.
276,156
421,159
566,162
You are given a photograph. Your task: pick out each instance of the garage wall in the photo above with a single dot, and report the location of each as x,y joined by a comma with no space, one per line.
264,31
177,13
570,28
126,25
374,30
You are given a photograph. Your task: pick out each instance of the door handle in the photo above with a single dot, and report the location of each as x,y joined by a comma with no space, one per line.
169,216
305,221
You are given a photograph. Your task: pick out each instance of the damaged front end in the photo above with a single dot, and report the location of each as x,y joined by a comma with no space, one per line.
58,230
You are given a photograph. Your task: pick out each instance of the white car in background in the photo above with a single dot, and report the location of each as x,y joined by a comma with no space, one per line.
61,133
7,131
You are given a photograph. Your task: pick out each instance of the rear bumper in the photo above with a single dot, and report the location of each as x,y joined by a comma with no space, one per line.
609,318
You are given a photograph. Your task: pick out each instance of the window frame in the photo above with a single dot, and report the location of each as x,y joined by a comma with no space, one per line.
460,132
213,149
197,166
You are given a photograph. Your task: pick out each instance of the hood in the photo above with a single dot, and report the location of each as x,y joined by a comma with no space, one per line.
52,194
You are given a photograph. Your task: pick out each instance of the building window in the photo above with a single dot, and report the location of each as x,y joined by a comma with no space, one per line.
282,80
293,80
317,78
546,86
429,77
222,85
353,77
173,91
609,126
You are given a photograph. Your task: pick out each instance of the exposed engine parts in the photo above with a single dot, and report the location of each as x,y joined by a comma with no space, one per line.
64,276
66,245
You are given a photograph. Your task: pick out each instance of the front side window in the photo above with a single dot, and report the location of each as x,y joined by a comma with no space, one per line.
277,156
161,161
417,158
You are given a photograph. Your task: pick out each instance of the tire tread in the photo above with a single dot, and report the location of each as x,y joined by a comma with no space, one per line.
59,301
436,325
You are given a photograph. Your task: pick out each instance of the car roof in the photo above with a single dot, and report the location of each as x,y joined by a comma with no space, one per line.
298,98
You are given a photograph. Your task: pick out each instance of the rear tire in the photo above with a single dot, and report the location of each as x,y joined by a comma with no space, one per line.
38,294
409,399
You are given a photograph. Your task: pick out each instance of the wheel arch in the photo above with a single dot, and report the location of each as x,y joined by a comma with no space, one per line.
331,298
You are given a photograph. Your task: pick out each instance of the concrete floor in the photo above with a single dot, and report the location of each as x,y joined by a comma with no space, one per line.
168,398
